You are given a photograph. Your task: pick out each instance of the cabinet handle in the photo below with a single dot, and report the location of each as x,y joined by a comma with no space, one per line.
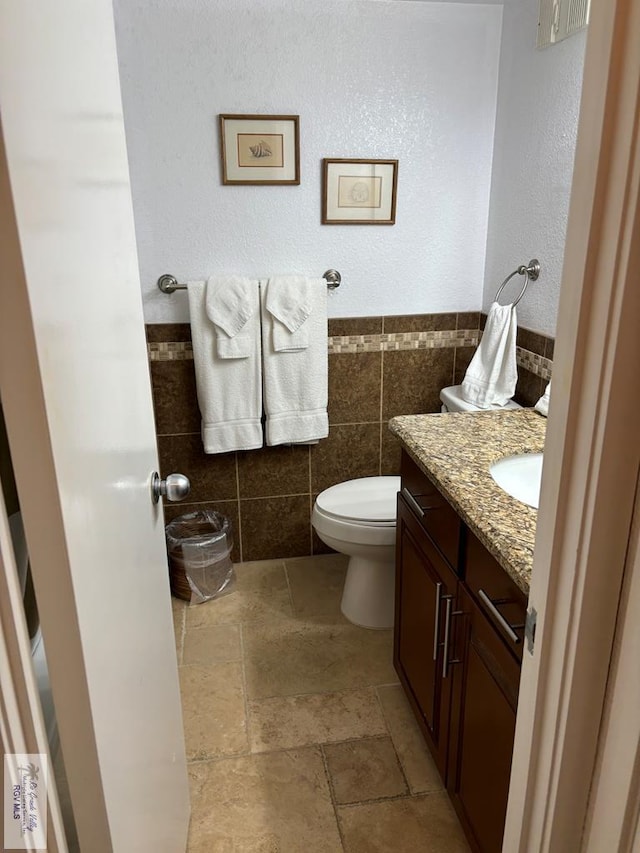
413,503
436,629
448,615
499,618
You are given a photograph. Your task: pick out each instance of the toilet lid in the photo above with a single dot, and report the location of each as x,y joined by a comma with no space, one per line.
366,499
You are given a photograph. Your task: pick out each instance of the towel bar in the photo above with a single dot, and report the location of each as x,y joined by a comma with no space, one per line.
169,283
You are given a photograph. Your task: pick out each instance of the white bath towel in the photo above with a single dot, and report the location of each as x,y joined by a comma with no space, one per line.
231,302
295,381
290,303
491,377
542,405
229,389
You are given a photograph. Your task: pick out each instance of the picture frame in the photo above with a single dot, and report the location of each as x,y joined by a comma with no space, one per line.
359,192
259,149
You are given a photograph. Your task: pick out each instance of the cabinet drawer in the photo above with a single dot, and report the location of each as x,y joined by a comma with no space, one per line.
432,510
503,603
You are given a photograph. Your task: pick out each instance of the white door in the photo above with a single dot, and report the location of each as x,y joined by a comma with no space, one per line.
75,389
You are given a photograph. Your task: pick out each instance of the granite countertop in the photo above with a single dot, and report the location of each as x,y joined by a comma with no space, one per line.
455,451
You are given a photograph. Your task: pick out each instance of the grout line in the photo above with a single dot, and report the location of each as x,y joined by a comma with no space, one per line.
382,387
286,576
240,542
332,795
245,697
311,502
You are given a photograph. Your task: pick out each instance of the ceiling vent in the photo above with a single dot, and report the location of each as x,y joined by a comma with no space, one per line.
560,19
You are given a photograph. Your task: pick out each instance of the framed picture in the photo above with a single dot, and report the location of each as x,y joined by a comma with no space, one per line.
359,192
260,149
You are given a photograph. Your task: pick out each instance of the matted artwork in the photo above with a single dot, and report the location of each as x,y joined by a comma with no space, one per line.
359,192
260,149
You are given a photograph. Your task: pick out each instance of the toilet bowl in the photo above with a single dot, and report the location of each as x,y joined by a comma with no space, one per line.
358,518
453,401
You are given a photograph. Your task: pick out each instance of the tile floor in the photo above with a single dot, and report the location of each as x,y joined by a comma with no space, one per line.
298,735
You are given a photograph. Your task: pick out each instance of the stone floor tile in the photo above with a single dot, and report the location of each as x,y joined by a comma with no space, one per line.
213,710
364,769
259,592
215,644
271,803
285,722
287,657
415,758
425,824
316,585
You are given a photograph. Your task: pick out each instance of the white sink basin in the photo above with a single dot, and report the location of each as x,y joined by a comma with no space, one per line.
519,476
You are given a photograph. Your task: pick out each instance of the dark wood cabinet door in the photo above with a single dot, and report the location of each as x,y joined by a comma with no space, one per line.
483,719
423,584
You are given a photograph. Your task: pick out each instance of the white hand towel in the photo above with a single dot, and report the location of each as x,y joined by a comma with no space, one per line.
491,377
229,389
290,303
231,302
542,405
295,382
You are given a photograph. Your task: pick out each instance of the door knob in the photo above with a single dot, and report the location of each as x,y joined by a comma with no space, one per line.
175,488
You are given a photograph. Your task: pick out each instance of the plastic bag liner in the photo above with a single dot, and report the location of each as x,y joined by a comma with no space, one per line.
199,546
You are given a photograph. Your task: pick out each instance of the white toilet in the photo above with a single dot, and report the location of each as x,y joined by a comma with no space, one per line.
453,401
358,518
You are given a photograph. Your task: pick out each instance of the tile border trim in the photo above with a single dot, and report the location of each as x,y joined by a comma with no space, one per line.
384,342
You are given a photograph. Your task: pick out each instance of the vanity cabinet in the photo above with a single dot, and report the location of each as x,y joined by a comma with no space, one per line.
458,649
425,586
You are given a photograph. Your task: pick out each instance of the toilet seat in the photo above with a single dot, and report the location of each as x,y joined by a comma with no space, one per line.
358,511
367,500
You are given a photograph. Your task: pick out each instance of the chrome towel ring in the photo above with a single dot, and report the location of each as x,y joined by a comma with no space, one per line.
530,273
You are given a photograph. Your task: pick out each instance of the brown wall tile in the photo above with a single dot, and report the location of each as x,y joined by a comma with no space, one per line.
549,348
227,508
276,527
533,341
529,388
277,485
462,361
274,471
212,475
419,323
163,332
468,320
339,326
174,397
354,387
390,454
412,380
317,545
350,451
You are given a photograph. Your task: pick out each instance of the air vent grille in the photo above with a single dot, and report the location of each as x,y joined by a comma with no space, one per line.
559,19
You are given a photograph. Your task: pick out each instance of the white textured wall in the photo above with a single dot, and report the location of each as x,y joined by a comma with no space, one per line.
412,81
536,125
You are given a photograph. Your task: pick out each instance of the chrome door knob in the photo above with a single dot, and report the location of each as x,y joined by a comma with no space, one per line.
174,488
